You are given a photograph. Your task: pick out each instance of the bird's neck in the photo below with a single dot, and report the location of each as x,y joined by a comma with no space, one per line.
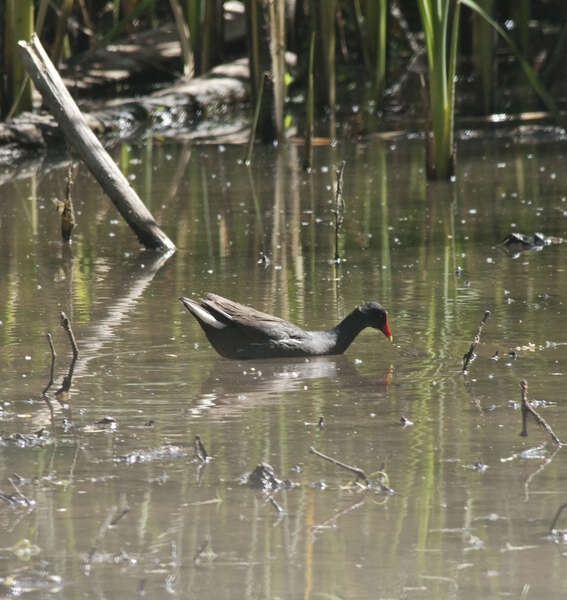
347,330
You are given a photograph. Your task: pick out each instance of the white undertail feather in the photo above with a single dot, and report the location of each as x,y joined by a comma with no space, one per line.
203,315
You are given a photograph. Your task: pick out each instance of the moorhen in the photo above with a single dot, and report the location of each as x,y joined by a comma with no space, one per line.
238,331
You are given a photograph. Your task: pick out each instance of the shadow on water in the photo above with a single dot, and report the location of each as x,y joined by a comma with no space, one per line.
234,386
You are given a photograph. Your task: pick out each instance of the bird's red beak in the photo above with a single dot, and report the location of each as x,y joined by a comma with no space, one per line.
386,330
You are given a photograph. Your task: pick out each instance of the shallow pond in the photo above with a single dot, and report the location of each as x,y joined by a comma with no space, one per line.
96,507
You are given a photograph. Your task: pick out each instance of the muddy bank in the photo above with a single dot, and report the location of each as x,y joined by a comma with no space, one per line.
143,61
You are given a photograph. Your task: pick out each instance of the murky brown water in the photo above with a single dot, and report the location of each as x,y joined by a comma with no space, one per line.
454,529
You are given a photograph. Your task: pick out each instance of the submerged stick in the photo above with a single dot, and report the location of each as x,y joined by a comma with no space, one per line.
66,324
26,500
276,505
53,357
556,517
528,408
78,133
200,451
339,207
309,107
252,138
115,514
469,356
68,220
360,474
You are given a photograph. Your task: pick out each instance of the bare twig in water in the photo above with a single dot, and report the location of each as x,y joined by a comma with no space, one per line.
339,208
556,517
66,324
469,356
275,504
204,551
360,474
200,451
200,550
18,491
115,514
309,109
53,357
257,109
528,408
66,383
326,524
122,509
530,477
68,221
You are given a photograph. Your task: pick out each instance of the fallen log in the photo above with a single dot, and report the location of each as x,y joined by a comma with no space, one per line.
84,141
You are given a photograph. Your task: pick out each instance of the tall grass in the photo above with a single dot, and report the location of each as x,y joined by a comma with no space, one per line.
483,36
266,51
440,21
323,23
529,72
372,17
18,25
309,109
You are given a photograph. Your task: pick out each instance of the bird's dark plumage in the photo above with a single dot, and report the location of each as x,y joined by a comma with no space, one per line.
237,331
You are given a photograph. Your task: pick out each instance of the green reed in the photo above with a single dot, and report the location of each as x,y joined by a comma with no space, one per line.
372,17
483,37
529,72
323,23
441,36
266,48
18,25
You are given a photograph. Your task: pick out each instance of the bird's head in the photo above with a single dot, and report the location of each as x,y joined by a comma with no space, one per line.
376,316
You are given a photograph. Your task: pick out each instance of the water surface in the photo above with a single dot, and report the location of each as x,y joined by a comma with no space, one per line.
471,514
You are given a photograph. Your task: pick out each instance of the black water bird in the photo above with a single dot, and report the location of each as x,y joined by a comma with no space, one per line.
238,332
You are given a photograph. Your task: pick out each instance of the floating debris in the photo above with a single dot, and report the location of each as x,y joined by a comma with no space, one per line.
534,241
264,478
107,420
27,440
38,581
148,455
380,484
478,467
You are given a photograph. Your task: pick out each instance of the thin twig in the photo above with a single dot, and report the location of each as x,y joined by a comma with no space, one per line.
556,517
101,533
335,517
309,108
252,137
68,220
360,474
275,504
339,207
111,519
469,356
200,550
19,492
66,324
53,357
200,451
124,509
543,466
528,408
